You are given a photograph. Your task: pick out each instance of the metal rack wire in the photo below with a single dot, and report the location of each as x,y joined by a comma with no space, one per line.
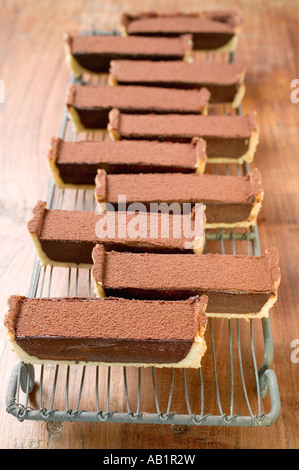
243,394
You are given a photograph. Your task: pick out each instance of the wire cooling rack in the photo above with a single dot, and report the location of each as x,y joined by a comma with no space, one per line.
234,387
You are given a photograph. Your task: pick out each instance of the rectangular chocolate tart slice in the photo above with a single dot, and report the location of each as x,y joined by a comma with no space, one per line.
93,53
211,30
230,138
89,106
107,331
67,238
75,164
225,82
231,201
236,285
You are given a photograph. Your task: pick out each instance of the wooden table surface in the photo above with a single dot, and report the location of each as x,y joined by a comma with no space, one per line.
35,78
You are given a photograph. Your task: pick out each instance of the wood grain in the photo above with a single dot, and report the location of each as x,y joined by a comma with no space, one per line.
35,78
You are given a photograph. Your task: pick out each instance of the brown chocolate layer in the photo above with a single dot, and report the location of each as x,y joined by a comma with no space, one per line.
222,80
210,29
226,136
105,330
76,163
235,284
94,52
70,236
93,103
228,199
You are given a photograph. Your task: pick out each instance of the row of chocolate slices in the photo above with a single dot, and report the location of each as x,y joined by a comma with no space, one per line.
155,287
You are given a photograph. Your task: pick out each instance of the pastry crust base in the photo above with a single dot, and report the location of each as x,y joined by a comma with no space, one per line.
263,313
77,70
230,46
235,103
200,167
45,261
248,156
73,65
74,117
54,170
199,245
245,223
113,133
102,207
192,360
238,98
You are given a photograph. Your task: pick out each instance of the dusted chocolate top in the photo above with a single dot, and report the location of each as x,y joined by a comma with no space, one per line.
176,72
188,125
101,44
205,21
52,224
105,318
137,97
127,152
208,272
169,187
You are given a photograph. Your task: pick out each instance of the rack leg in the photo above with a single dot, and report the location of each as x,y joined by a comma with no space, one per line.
26,374
180,429
54,427
268,356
